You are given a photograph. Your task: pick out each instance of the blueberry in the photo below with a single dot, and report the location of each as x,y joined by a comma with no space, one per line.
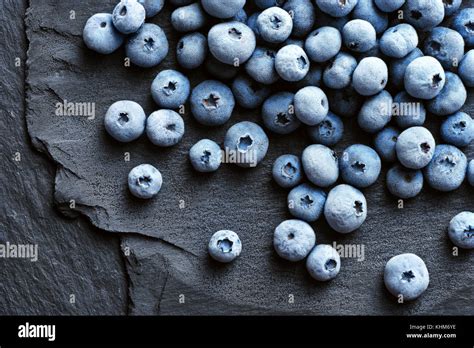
406,275
165,128
415,147
345,102
287,171
212,103
191,50
128,16
188,18
424,78
311,105
325,20
252,23
170,89
376,112
447,170
261,66
144,181
302,12
248,93
399,41
404,183
320,165
461,230
408,111
389,5
345,209
458,129
152,7
451,6
125,121
329,132
370,76
323,44
398,67
323,263
274,25
220,9
470,173
205,156
446,45
225,246
293,240
466,69
306,202
463,23
359,35
368,11
385,144
100,34
338,72
292,63
451,98
336,8
248,142
312,78
424,14
240,16
148,47
278,113
264,4
220,70
360,165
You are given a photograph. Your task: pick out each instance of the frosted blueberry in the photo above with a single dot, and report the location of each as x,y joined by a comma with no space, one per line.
165,128
370,76
385,143
128,16
320,165
415,147
311,105
329,132
212,103
261,66
100,34
404,183
278,113
408,111
323,44
191,50
306,202
452,97
323,263
359,35
223,9
447,170
376,112
125,121
461,230
205,156
225,246
399,41
424,78
148,46
360,165
170,89
144,181
188,18
293,240
446,45
292,63
424,14
338,73
274,25
336,8
287,171
248,93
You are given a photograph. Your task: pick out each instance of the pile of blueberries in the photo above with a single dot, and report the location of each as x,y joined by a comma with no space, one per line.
387,62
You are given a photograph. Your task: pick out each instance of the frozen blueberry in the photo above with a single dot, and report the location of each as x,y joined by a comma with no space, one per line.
323,44
302,12
458,129
225,246
292,63
370,76
128,16
220,70
424,14
312,78
247,143
306,202
329,132
368,11
191,50
261,66
320,165
170,89
360,165
278,113
398,67
461,230
338,72
406,275
447,170
205,156
336,8
274,25
287,171
470,173
125,121
324,262
165,128
463,23
148,47
152,7
188,18
212,103
446,45
415,147
240,16
311,105
144,181
100,34
221,9
424,78
345,102
399,41
451,6
451,98
389,5
359,35
408,111
264,4
345,209
404,183
252,23
376,112
466,69
248,93
293,240
385,144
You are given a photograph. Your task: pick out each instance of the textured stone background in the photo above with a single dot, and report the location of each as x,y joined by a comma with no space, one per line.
157,250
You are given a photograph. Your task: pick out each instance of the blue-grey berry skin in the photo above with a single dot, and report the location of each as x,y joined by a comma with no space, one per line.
125,121
191,50
466,69
278,113
338,72
446,45
451,6
415,147
329,132
359,35
370,76
212,103
261,66
458,129
248,142
144,181
404,183
376,112
165,128
323,44
470,173
312,78
452,97
306,202
389,5
336,8
248,93
264,4
345,209
447,170
294,41
287,171
323,263
345,102
231,42
368,11
152,7
148,46
408,111
360,165
311,105
225,246
252,23
220,70
274,25
128,16
292,63
302,12
424,78
188,18
462,23
385,144
240,16
293,240
205,156
320,165
398,67
222,9
461,230
406,276
170,89
100,35
325,20
424,14
399,41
